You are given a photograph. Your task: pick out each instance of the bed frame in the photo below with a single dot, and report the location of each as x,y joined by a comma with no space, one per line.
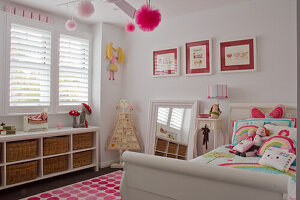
148,177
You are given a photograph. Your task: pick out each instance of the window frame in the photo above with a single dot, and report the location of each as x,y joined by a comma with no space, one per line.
55,31
35,25
2,61
81,35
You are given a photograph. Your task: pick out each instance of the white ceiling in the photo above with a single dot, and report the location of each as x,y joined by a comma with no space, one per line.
110,13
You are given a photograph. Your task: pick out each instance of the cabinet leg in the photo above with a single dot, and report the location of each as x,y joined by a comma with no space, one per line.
195,150
215,138
224,137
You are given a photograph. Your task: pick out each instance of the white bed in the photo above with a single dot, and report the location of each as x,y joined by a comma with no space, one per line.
148,177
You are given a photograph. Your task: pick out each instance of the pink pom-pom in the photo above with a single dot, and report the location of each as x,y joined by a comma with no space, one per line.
147,18
71,25
85,8
130,27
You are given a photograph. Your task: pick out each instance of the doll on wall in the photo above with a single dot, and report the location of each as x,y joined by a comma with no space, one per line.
112,67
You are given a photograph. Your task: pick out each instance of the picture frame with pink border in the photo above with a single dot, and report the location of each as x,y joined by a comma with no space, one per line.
166,62
9,9
27,14
237,55
35,16
198,56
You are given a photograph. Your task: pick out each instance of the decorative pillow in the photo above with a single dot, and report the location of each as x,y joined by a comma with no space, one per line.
278,112
241,127
243,146
283,131
278,158
279,142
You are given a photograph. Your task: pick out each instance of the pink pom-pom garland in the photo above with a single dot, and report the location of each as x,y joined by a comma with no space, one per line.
85,8
71,25
147,18
130,27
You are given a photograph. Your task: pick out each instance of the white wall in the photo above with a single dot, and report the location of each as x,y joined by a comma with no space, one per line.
110,91
273,22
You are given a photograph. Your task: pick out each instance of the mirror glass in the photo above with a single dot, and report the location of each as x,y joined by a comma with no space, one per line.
173,123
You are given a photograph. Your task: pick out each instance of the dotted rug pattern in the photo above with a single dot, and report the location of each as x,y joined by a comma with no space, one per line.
104,187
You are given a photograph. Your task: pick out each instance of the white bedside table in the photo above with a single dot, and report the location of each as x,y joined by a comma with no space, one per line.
214,125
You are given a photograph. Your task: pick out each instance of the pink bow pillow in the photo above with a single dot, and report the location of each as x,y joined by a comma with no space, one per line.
277,112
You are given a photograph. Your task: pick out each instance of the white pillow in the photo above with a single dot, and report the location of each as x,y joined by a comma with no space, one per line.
278,158
282,131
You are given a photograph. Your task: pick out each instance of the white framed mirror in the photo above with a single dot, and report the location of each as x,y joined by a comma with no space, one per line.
171,127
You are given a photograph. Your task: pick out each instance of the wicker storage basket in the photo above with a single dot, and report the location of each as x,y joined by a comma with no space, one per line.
21,150
172,148
181,158
21,172
159,154
82,141
82,158
55,164
55,145
182,150
161,145
171,156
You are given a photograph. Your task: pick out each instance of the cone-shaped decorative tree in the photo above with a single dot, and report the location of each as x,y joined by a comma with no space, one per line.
124,136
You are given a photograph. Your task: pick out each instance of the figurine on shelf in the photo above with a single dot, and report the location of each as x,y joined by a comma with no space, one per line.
215,111
74,114
86,109
124,136
38,121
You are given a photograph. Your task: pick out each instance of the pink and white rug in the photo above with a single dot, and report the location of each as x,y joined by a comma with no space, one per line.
104,187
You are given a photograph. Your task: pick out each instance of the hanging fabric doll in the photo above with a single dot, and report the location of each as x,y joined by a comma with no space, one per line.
112,67
205,131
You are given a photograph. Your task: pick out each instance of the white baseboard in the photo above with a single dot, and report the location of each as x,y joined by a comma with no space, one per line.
108,163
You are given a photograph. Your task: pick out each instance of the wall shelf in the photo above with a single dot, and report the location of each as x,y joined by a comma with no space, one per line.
92,149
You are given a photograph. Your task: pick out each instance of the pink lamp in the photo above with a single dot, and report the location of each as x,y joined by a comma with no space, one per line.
217,92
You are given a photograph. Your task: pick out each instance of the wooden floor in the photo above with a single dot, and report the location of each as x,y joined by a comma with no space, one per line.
30,189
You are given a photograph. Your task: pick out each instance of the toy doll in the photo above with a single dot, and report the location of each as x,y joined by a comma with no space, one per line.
112,58
215,111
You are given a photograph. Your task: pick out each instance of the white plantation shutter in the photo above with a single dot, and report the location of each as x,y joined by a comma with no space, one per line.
30,60
177,118
163,115
73,70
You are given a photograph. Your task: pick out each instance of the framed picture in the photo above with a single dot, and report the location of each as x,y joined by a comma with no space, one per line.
238,55
166,62
198,57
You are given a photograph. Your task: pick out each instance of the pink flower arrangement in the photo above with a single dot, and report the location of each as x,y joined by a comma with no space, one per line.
131,107
117,107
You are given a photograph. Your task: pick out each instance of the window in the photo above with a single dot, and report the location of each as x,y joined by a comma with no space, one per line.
73,70
30,61
163,115
171,117
177,118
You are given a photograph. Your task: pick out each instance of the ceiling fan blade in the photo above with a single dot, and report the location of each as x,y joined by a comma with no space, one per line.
126,8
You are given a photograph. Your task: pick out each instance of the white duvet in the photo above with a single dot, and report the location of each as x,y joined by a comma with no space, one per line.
222,157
